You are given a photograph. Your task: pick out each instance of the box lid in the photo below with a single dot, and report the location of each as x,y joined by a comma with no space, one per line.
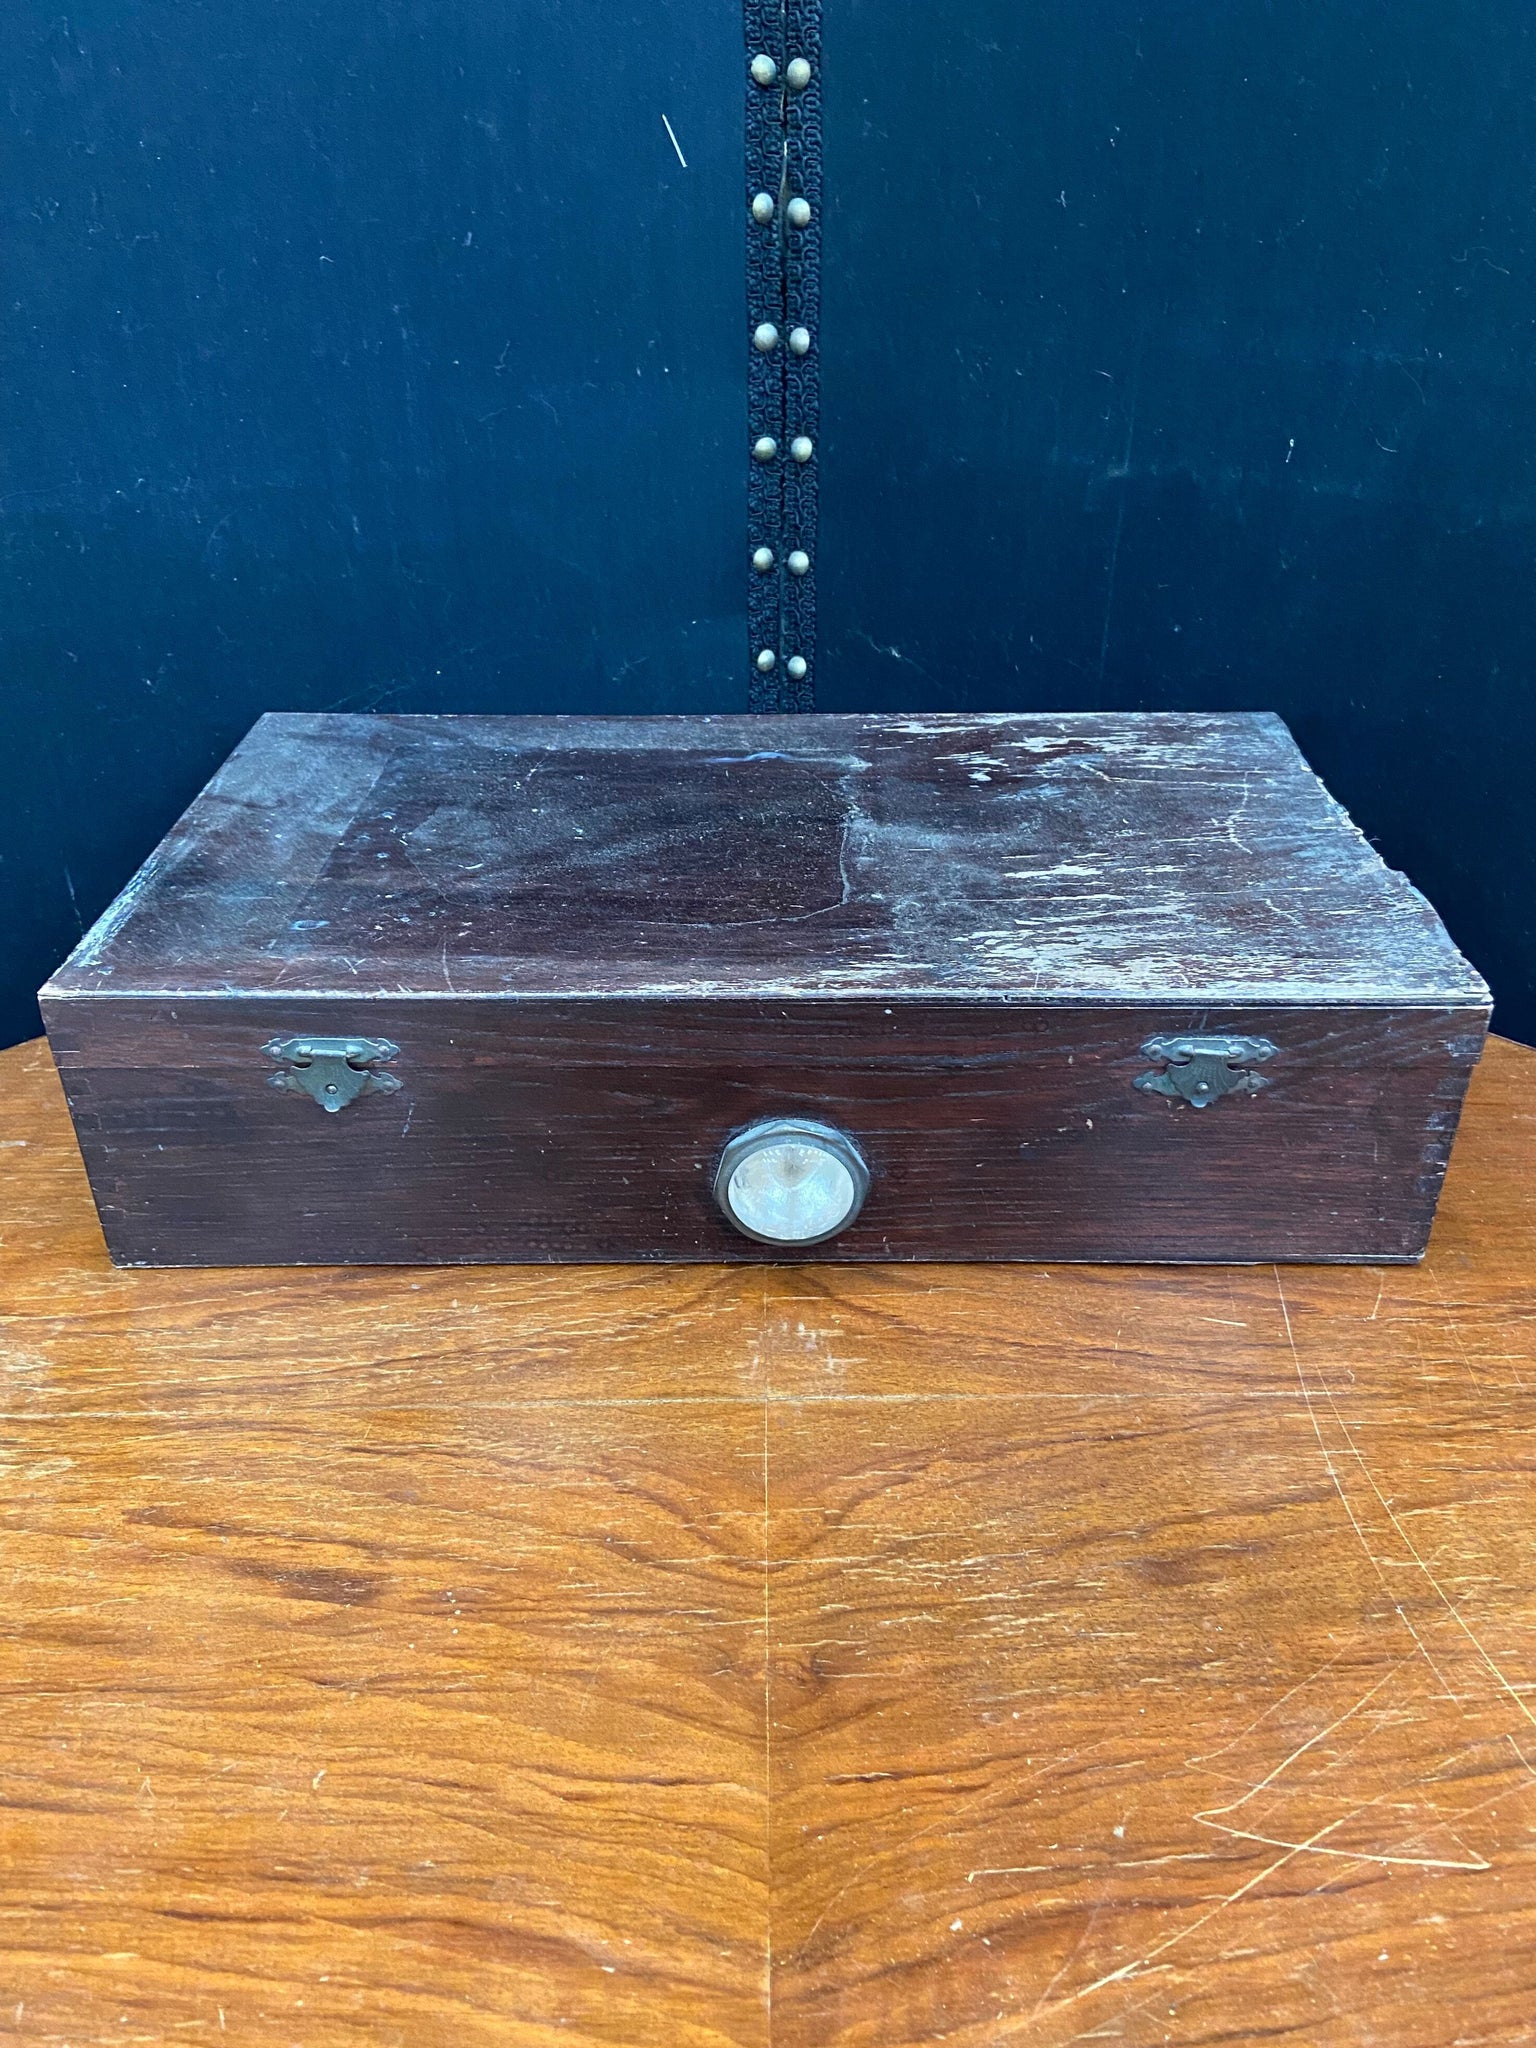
1030,856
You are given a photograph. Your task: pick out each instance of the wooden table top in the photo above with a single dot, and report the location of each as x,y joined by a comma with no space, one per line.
837,1658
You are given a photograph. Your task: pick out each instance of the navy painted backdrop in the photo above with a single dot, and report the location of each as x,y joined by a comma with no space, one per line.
391,354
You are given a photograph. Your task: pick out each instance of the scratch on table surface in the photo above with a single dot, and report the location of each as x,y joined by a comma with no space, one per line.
1441,1680
1073,1953
1211,1816
1320,1841
1385,1858
1009,1788
1312,1845
1161,1948
1311,1742
1445,1599
1209,1755
1434,1280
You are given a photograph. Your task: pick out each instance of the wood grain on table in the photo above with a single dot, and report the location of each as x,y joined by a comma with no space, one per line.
847,1657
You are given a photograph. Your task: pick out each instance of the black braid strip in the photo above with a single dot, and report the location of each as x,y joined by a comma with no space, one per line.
783,129
765,371
802,392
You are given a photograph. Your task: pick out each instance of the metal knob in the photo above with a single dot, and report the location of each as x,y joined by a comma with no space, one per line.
790,1181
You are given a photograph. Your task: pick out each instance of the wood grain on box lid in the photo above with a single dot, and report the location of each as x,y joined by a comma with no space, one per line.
1091,856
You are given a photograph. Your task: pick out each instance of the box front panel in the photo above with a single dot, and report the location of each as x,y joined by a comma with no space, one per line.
587,1131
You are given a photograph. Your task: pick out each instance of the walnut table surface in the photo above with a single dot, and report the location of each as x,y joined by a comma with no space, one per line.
847,1657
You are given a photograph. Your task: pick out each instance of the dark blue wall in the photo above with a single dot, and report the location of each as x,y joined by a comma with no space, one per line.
1193,365
376,354
385,354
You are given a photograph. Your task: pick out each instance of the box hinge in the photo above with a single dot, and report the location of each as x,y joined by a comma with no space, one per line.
332,1071
1200,1071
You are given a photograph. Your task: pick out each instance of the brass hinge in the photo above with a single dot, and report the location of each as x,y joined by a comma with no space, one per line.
332,1071
1200,1071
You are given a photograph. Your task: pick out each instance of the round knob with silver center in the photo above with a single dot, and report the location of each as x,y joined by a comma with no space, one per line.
765,337
799,341
762,560
762,208
764,448
797,562
791,1181
797,74
799,212
764,70
801,448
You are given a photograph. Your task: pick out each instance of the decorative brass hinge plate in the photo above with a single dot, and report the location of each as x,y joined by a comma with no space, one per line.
332,1071
1200,1071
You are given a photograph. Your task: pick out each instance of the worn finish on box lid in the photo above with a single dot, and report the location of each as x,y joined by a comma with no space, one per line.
1087,857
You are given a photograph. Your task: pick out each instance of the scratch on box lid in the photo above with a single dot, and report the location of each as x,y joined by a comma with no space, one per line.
1019,856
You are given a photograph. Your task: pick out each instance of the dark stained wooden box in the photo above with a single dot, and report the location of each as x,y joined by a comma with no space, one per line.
589,952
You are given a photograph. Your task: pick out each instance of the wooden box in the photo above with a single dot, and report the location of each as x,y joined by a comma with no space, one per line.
1033,987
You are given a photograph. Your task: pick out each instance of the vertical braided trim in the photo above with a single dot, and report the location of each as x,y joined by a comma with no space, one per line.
783,161
802,377
765,372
